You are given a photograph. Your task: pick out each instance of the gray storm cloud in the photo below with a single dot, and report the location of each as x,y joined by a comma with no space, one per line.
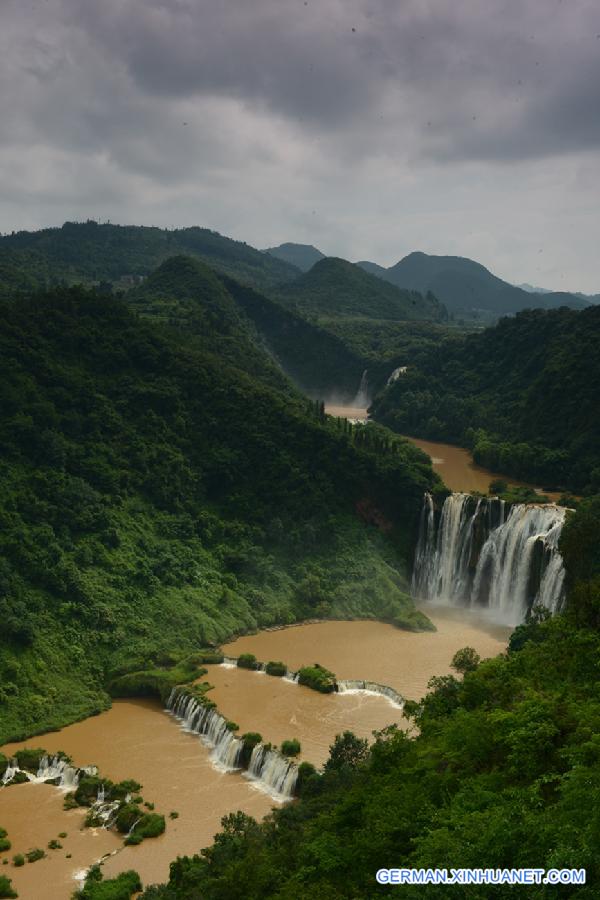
370,125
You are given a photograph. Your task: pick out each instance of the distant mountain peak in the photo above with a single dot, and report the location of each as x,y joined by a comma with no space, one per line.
303,256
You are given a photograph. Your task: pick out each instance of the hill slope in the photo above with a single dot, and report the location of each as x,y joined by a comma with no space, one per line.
217,309
303,256
524,394
462,284
145,480
89,252
336,288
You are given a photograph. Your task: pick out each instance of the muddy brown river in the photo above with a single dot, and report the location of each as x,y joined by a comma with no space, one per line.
137,739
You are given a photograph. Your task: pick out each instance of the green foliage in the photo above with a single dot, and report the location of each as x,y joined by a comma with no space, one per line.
521,395
291,747
145,479
120,888
34,855
278,669
247,661
157,682
148,825
465,660
317,677
249,742
18,860
54,844
6,888
29,758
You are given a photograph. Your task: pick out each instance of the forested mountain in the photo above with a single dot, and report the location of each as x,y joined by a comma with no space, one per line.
523,394
303,256
464,285
91,252
334,288
146,478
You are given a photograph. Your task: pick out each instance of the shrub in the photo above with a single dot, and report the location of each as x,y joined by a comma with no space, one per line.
291,747
149,826
318,678
119,888
127,816
232,726
249,740
34,855
54,844
6,889
29,759
247,661
18,860
276,668
306,774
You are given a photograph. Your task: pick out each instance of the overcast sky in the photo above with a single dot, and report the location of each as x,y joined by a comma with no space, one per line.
369,128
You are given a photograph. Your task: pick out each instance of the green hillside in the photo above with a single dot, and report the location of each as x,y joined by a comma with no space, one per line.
335,288
121,254
146,479
217,309
524,395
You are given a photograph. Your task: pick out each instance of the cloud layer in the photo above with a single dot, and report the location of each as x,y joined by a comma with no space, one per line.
368,127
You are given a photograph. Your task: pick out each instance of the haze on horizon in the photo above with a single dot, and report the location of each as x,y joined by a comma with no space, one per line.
364,127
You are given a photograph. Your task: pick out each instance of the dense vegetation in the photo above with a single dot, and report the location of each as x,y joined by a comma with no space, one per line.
504,772
523,395
146,479
122,254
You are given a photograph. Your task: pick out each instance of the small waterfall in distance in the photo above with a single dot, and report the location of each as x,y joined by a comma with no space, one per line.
480,555
361,399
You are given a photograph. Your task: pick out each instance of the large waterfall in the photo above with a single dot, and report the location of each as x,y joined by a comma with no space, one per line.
272,772
485,553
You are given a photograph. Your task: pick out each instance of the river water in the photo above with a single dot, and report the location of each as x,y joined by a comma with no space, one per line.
137,739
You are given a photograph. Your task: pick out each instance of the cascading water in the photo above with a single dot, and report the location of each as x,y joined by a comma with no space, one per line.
477,555
372,688
56,770
362,395
272,771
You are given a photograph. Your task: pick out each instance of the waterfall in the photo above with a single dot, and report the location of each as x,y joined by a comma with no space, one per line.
372,688
271,771
478,556
229,662
362,395
56,770
210,726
